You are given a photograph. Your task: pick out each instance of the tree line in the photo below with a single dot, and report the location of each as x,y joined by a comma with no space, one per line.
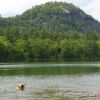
72,46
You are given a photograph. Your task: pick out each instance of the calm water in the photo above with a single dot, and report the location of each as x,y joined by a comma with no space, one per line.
49,81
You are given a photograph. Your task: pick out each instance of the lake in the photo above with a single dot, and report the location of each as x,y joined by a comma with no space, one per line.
45,81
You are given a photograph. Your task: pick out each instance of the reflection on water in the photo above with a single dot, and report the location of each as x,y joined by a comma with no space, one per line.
49,83
48,70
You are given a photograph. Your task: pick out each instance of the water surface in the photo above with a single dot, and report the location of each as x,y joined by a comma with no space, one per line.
49,81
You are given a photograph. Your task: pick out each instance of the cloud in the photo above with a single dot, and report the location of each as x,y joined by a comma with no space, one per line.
13,7
93,9
10,7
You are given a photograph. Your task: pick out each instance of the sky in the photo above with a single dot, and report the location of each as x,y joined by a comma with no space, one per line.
16,7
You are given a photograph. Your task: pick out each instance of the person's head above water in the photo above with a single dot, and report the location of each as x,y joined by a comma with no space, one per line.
21,87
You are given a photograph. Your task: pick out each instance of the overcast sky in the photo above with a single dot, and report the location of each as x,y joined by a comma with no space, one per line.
14,7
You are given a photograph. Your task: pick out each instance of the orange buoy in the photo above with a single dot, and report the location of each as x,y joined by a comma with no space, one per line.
94,95
97,95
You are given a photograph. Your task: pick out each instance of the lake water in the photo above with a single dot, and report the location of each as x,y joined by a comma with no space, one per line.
49,81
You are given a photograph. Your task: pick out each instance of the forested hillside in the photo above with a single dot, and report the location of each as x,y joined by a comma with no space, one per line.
54,31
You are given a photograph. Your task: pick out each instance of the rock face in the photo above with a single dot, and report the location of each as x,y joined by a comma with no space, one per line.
54,16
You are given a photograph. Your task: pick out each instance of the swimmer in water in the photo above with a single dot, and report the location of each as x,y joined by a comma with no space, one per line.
21,87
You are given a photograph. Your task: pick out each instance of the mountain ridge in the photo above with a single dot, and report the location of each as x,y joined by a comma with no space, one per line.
55,16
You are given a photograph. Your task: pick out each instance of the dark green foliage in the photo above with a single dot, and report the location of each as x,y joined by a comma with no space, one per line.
52,31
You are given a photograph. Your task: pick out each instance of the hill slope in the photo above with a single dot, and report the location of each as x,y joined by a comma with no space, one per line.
57,16
60,17
52,31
